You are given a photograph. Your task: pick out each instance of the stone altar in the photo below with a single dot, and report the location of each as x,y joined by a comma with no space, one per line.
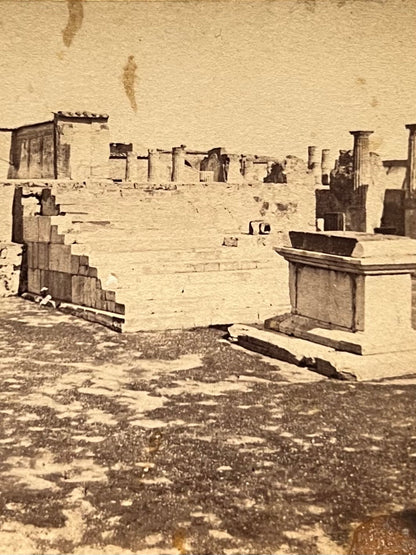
350,291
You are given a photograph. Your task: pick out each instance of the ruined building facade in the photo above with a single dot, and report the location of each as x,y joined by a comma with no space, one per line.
73,145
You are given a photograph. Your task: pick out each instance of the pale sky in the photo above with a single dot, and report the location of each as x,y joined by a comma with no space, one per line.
267,77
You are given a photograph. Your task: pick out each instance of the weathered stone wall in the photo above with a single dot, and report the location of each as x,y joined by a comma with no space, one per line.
158,251
32,152
10,264
5,143
362,206
82,149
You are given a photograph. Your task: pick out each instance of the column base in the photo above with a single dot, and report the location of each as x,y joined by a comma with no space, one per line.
360,343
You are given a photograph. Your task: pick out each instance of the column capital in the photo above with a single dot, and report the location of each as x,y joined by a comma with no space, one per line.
179,148
411,127
361,133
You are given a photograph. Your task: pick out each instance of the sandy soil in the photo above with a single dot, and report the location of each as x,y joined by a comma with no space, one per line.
179,442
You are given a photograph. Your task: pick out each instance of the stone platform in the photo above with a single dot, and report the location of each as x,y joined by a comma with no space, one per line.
324,360
351,302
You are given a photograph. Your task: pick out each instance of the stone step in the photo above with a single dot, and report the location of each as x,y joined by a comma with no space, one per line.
128,279
219,288
156,262
187,320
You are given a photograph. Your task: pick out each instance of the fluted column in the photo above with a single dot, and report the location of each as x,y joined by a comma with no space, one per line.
411,158
361,158
153,162
325,166
178,163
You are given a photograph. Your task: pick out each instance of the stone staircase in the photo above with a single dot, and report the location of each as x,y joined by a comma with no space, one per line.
146,260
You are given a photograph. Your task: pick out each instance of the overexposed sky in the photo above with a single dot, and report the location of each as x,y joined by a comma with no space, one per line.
258,76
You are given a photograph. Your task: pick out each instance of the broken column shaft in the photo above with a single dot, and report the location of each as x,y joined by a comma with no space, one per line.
312,157
313,163
153,162
361,158
411,158
131,166
178,163
325,166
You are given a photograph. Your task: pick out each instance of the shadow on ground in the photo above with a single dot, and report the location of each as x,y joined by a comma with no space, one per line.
179,442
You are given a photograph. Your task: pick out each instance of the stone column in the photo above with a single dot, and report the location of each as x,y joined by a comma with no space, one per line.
234,167
178,163
325,166
361,158
248,167
313,163
312,157
131,166
153,162
411,158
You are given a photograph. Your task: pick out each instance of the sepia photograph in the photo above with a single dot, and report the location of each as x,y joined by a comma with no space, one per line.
207,277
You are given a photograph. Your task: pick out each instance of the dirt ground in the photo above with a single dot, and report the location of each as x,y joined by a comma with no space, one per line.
179,442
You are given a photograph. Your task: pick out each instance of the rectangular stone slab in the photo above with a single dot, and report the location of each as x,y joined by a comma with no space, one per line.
322,359
352,244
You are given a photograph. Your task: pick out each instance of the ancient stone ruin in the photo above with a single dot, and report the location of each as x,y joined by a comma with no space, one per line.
176,238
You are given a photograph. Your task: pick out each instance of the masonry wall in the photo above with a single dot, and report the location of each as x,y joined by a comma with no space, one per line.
32,152
160,253
362,207
10,265
5,143
82,149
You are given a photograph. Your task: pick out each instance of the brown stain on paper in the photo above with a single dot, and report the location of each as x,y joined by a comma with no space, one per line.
129,80
75,17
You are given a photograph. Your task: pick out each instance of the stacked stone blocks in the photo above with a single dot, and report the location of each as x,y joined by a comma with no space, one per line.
67,277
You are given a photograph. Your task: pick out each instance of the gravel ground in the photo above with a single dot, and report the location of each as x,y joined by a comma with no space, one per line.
179,442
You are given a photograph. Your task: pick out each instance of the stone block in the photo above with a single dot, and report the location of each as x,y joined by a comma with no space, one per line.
33,280
44,229
60,286
84,291
78,289
60,258
229,266
90,292
43,256
109,295
110,306
259,227
31,229
74,264
230,242
119,308
92,272
56,237
332,298
32,255
44,278
211,267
